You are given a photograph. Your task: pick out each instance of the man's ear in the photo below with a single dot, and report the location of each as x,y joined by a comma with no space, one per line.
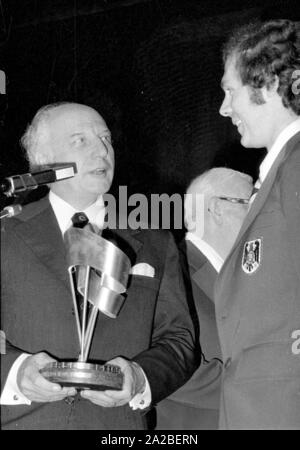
214,207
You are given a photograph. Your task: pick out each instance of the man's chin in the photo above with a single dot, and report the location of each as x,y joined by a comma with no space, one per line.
246,143
242,140
99,187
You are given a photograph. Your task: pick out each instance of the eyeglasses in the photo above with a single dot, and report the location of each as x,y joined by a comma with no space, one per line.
242,201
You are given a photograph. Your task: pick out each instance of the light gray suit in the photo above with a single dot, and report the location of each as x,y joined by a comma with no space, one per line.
258,306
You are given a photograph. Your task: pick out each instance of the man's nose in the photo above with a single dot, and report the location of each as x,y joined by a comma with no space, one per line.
225,109
100,148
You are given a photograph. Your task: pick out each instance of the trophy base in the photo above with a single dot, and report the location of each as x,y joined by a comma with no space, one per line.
83,375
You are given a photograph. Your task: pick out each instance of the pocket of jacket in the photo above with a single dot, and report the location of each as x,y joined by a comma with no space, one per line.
268,360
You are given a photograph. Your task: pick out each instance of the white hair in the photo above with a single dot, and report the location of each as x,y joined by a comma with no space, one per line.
219,181
35,140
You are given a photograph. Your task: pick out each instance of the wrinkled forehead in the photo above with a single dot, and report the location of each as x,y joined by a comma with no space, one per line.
74,118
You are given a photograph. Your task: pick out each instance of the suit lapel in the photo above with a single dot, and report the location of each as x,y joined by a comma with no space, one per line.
40,231
201,270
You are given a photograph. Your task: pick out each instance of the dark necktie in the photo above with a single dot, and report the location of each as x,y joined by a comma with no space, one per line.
79,220
255,191
253,195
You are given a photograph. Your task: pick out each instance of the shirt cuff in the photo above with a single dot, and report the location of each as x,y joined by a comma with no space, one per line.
143,399
11,394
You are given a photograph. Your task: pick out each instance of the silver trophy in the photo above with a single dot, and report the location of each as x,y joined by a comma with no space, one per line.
99,272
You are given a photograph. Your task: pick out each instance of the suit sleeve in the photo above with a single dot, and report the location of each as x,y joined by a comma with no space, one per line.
8,357
9,353
206,380
172,358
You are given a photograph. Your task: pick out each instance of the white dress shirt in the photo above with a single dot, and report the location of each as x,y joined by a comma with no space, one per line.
213,257
63,211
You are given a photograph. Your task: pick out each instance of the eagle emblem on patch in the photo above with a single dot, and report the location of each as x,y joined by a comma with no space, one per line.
252,256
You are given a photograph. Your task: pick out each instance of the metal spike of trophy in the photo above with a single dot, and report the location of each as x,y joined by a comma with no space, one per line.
99,271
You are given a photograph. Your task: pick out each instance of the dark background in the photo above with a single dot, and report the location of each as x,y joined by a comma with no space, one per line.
152,68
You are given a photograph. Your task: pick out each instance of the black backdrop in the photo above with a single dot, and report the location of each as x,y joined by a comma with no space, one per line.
151,68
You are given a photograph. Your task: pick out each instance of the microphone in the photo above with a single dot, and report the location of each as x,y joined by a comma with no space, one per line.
10,211
18,183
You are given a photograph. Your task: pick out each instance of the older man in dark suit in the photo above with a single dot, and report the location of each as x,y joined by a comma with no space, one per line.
152,339
216,204
258,291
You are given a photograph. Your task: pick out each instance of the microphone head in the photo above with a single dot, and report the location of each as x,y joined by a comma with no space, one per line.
13,210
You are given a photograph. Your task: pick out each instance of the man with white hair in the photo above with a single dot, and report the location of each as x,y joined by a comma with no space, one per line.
151,340
215,206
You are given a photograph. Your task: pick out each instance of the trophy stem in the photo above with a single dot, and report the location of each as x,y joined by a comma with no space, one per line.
71,271
98,272
89,332
85,301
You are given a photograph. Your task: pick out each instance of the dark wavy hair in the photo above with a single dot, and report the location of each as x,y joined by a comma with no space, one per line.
264,50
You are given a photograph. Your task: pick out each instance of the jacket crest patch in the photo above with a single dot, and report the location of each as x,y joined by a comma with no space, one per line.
252,256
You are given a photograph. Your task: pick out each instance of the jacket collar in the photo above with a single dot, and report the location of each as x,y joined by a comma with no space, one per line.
201,270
